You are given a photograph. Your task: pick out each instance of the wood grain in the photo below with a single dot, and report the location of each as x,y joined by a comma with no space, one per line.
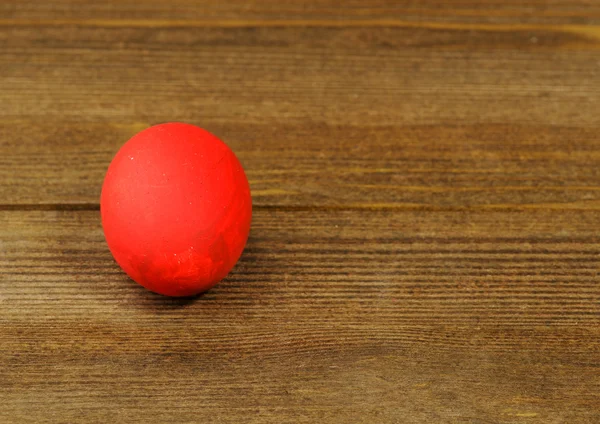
426,239
494,11
398,117
425,167
340,316
339,76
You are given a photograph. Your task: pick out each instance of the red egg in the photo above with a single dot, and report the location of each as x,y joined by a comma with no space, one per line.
176,209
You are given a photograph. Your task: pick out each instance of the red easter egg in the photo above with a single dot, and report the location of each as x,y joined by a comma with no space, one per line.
176,209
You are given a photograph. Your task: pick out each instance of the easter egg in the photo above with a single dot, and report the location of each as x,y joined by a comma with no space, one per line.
176,209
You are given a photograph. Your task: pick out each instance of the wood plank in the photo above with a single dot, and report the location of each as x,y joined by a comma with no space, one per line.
345,316
358,76
531,11
428,167
353,117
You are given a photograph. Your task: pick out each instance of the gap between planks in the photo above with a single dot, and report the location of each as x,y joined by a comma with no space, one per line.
408,207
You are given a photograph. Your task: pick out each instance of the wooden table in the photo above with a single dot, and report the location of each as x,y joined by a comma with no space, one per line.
426,237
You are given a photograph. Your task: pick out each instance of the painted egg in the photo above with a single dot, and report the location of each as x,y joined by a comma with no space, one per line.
176,209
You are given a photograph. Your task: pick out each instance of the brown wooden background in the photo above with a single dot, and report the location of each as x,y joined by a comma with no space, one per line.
426,236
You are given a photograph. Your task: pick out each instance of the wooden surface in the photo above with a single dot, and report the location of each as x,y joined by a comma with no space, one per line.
426,236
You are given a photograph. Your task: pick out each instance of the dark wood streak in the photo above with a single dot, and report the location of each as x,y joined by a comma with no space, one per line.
469,11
